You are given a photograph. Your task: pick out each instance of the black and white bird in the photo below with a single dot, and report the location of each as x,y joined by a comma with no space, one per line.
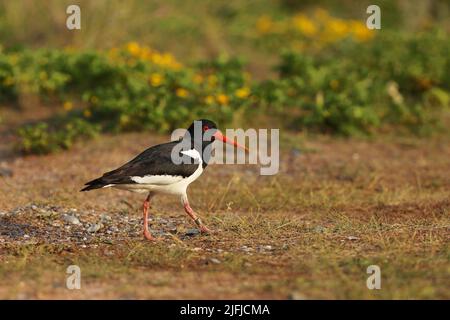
167,168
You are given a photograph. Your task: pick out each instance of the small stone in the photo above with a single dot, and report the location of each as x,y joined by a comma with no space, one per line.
351,238
192,232
162,220
26,236
296,296
34,207
94,227
170,227
269,248
215,261
70,219
197,249
246,249
114,229
105,218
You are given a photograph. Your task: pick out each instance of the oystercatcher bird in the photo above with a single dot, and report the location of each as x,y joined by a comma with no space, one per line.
167,168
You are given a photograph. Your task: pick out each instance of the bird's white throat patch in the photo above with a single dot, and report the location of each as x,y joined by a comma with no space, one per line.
193,154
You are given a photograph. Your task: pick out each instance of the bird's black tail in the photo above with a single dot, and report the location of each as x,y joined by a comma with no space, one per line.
94,184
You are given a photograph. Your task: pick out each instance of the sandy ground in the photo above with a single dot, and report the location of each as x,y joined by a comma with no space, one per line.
336,207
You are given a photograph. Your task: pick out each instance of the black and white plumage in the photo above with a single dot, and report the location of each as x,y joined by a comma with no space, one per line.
154,171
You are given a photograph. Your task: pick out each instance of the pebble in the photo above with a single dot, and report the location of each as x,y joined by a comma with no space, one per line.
192,232
70,219
296,296
352,238
104,218
162,220
197,249
94,227
246,249
215,261
26,236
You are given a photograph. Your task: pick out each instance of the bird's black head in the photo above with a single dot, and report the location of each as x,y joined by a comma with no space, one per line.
202,132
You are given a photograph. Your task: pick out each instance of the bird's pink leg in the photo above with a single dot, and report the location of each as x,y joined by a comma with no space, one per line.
147,233
194,217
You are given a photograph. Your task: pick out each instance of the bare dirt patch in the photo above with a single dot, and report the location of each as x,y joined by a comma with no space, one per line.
336,207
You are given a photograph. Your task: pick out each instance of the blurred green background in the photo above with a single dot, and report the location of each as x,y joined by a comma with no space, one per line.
157,65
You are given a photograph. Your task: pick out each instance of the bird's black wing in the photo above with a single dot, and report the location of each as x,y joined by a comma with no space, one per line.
155,161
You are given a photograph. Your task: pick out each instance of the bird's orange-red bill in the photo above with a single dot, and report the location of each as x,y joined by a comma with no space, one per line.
225,139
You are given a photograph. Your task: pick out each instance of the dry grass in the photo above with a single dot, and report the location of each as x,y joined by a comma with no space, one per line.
333,210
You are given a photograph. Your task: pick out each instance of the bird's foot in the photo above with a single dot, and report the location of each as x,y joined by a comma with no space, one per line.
205,229
148,236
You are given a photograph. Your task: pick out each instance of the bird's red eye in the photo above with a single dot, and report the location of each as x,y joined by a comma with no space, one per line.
205,128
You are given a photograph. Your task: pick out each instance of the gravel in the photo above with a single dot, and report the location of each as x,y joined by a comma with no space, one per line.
88,228
94,227
192,232
70,219
215,261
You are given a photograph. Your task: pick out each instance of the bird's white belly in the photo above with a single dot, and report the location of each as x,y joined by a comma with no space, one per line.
162,184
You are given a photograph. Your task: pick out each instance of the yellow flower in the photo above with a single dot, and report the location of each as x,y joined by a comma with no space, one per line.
242,92
222,99
304,25
68,105
87,113
360,31
182,93
198,78
337,28
264,24
133,48
209,99
156,79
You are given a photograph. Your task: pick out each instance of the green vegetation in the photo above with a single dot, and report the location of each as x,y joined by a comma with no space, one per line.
331,75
